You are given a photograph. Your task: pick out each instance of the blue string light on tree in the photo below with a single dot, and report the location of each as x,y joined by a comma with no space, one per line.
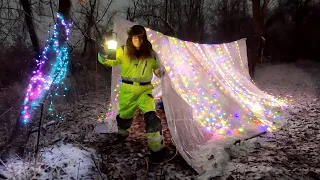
52,80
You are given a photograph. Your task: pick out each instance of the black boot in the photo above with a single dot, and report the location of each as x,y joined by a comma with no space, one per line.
158,157
158,151
163,156
123,128
153,122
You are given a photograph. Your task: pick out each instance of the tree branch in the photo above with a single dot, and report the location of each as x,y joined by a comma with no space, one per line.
159,17
105,11
7,34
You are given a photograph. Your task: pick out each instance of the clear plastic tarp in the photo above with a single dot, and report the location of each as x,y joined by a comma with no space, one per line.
209,98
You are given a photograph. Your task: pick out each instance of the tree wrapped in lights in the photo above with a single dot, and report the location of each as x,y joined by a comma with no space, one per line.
49,74
209,98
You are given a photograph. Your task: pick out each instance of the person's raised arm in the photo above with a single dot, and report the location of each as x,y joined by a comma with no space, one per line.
109,57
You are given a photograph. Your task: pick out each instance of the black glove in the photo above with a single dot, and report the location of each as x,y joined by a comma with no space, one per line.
111,54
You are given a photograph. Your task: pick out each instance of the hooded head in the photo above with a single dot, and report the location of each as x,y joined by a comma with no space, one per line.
137,44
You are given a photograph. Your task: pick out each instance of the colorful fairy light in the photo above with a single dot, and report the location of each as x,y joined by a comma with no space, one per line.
48,75
226,81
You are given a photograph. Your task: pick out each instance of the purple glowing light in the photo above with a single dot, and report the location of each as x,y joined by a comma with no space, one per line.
27,116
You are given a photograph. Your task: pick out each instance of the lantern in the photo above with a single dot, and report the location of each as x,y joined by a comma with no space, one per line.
111,41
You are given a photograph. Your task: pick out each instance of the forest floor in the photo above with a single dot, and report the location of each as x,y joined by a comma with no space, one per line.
71,150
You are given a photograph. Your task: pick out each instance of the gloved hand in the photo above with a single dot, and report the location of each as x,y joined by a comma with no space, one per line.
159,72
103,48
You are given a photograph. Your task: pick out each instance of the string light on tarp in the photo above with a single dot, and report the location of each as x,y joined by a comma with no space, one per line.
232,82
40,83
257,108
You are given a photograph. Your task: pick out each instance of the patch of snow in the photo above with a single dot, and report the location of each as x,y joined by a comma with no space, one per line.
64,161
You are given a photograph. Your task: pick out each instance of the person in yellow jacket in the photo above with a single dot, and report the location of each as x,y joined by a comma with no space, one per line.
138,62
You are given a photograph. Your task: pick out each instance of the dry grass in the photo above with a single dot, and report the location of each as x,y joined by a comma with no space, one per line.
10,101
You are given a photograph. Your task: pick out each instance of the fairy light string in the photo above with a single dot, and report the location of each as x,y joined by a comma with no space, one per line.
229,81
48,76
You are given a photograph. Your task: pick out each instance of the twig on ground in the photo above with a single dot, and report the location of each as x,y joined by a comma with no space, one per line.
162,174
239,141
106,166
3,164
78,170
6,112
23,161
58,172
102,163
55,141
92,158
36,129
99,166
147,170
122,177
3,89
2,176
245,169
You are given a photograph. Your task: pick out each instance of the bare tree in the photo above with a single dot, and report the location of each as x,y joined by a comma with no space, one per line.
288,21
258,10
29,23
96,21
302,9
10,17
131,11
229,20
183,19
194,19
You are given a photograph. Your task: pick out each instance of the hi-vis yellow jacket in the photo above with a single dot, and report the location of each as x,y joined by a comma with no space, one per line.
132,69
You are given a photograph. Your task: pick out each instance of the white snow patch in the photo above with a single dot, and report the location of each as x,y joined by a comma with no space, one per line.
57,162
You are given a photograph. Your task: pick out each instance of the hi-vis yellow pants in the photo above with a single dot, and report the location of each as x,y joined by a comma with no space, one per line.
132,96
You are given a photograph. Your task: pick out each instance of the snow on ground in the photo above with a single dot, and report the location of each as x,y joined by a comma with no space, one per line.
64,161
292,152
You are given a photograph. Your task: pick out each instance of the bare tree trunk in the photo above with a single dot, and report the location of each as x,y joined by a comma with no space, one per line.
29,22
302,11
131,11
166,11
64,8
128,14
262,39
87,30
170,11
258,18
89,24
